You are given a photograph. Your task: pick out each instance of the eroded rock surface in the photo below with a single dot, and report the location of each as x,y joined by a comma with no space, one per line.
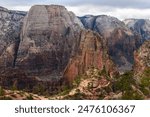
50,36
139,26
121,41
10,28
142,61
92,52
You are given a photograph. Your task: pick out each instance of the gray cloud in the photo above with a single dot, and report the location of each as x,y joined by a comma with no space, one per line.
140,4
111,3
117,8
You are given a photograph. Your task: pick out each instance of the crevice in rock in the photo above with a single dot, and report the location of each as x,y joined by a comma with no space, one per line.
16,52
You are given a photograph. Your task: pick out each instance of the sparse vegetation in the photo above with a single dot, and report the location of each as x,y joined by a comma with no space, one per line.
132,95
124,84
145,78
66,90
104,72
77,81
90,85
145,82
30,97
76,96
1,91
14,87
5,98
38,89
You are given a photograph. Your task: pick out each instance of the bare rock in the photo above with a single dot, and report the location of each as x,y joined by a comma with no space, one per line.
121,41
91,53
50,36
10,27
142,61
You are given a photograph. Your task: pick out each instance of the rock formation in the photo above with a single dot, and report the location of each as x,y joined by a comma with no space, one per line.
121,41
142,60
139,26
10,28
92,53
50,36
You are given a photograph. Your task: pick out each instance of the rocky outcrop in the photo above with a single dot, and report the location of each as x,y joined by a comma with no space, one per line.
139,26
50,36
92,53
121,41
142,61
103,24
10,28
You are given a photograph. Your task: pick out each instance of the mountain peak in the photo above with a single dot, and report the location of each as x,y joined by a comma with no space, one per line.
139,26
3,9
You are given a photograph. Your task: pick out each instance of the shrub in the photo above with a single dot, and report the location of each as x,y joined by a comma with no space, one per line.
29,97
76,96
145,78
77,80
124,82
1,91
66,90
104,73
5,98
145,82
132,95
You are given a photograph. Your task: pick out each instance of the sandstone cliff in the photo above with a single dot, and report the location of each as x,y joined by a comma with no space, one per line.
50,36
142,61
10,28
121,41
92,53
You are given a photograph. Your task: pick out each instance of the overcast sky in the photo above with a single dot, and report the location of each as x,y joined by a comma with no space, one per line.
121,9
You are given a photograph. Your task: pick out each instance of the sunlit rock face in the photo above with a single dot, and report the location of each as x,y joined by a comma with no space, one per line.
49,37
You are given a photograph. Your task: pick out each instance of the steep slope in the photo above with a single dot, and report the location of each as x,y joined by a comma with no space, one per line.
50,36
121,40
142,68
10,28
142,61
54,49
139,26
92,53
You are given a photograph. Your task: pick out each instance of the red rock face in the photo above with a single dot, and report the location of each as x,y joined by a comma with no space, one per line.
121,41
142,59
91,53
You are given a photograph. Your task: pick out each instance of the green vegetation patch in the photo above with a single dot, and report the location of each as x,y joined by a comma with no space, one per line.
124,84
1,91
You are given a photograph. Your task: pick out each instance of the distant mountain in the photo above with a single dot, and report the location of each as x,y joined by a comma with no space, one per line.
120,39
139,26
